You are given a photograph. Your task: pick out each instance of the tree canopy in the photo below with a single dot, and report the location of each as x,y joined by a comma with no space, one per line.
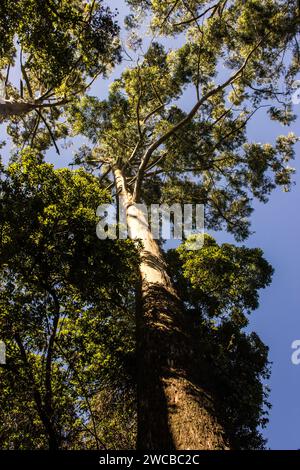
58,47
170,154
87,323
62,305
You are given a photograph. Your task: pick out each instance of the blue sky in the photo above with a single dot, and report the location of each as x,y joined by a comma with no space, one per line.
277,321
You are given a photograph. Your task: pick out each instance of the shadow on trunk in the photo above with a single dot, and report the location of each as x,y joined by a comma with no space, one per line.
175,410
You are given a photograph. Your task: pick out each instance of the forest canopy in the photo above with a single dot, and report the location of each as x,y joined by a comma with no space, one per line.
128,344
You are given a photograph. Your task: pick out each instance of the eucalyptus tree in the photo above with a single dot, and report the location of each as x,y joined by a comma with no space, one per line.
238,57
67,319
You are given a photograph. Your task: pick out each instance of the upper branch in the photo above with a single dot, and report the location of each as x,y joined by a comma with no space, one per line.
184,121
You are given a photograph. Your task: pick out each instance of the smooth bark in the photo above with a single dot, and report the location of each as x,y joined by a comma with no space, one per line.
17,108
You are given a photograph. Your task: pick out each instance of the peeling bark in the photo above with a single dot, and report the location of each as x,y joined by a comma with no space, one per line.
174,411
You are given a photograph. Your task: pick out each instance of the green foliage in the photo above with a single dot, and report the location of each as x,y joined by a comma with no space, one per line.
116,416
59,40
64,297
202,155
225,278
219,286
51,51
67,301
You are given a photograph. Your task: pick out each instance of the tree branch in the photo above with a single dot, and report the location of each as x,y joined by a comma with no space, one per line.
49,355
45,418
185,120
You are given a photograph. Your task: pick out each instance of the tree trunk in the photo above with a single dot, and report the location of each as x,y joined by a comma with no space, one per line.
52,436
174,411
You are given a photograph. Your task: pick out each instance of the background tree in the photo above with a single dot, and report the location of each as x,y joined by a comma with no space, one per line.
219,288
157,152
51,51
62,307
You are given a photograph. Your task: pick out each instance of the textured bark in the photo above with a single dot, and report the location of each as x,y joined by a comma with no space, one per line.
174,411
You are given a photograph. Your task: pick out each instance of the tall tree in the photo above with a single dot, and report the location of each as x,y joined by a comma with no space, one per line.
158,152
151,149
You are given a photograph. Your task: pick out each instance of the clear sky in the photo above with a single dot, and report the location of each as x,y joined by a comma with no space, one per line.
277,321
